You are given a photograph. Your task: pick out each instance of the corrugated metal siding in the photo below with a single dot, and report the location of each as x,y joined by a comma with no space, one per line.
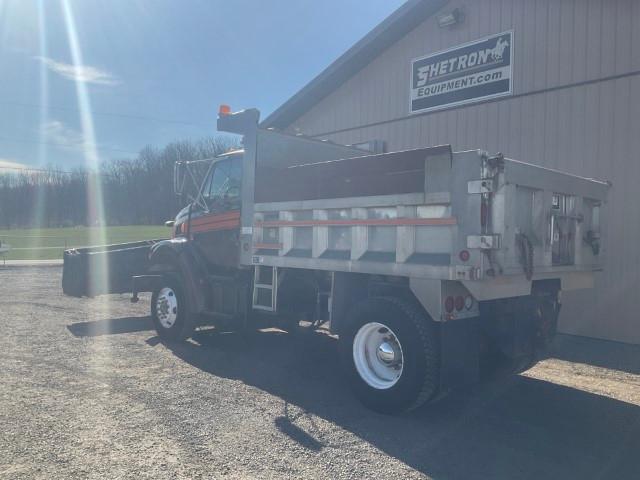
591,129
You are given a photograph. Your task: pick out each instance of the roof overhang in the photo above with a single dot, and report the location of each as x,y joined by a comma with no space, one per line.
389,31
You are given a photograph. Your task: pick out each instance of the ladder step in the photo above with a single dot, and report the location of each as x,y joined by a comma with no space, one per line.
265,294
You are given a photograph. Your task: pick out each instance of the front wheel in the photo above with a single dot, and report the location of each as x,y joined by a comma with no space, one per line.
390,350
169,311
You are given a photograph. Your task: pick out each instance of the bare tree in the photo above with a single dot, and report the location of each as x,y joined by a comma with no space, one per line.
137,191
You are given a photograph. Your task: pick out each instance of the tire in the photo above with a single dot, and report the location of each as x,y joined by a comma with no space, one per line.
169,311
402,332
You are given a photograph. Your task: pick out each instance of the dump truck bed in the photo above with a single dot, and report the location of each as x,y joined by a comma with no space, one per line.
427,213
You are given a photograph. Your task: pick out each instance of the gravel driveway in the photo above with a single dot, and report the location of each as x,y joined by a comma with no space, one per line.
88,391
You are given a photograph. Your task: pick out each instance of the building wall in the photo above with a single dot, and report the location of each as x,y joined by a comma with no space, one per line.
575,107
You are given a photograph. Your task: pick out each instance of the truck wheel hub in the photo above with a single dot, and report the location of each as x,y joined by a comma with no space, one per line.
386,353
167,307
377,355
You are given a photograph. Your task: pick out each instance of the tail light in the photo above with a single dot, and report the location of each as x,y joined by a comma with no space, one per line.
449,304
459,302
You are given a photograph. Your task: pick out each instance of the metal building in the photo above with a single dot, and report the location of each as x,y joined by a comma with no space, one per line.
551,82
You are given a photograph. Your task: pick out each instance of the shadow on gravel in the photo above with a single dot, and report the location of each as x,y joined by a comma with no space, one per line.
623,357
515,428
286,425
111,326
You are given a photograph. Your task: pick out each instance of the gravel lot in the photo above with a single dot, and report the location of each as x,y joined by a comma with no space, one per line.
88,391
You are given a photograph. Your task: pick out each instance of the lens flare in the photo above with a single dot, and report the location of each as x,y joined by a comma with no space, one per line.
41,190
95,200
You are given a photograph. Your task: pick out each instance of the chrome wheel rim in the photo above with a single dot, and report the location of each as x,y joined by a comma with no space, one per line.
377,355
167,307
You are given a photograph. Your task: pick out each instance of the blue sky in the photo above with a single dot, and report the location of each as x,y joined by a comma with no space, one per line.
154,71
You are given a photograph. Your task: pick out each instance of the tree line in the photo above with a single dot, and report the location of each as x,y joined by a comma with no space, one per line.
137,191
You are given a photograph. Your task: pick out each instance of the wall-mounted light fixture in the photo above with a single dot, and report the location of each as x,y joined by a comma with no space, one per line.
450,19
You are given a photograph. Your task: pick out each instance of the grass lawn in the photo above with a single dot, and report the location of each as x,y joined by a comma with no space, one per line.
49,243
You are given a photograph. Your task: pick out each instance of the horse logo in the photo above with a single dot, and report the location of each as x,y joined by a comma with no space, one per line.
498,51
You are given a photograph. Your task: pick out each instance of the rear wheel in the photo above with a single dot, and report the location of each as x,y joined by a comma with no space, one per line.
390,350
169,311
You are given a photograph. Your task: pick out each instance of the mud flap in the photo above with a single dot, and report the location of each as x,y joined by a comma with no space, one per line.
459,353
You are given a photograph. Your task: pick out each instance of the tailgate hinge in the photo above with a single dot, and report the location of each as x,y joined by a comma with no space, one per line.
487,242
480,186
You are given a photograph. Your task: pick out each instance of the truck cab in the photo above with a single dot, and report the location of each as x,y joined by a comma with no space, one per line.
212,222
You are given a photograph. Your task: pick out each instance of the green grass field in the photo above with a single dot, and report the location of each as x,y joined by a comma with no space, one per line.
49,243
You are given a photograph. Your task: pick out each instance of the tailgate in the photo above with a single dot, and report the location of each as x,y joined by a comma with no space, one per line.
549,221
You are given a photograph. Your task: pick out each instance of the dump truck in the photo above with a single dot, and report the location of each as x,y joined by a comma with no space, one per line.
426,264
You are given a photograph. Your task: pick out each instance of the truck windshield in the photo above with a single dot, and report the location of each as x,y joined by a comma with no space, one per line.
224,182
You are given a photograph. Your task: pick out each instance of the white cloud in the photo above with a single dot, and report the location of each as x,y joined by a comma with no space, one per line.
58,133
80,73
6,164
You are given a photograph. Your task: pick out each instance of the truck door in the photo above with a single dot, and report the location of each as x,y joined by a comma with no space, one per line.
216,232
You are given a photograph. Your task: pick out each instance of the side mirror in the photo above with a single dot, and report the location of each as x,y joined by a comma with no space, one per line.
170,223
179,177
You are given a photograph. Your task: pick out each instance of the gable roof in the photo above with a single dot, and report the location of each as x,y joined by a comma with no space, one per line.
390,30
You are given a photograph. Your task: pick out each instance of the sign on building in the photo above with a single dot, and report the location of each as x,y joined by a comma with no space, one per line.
471,72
